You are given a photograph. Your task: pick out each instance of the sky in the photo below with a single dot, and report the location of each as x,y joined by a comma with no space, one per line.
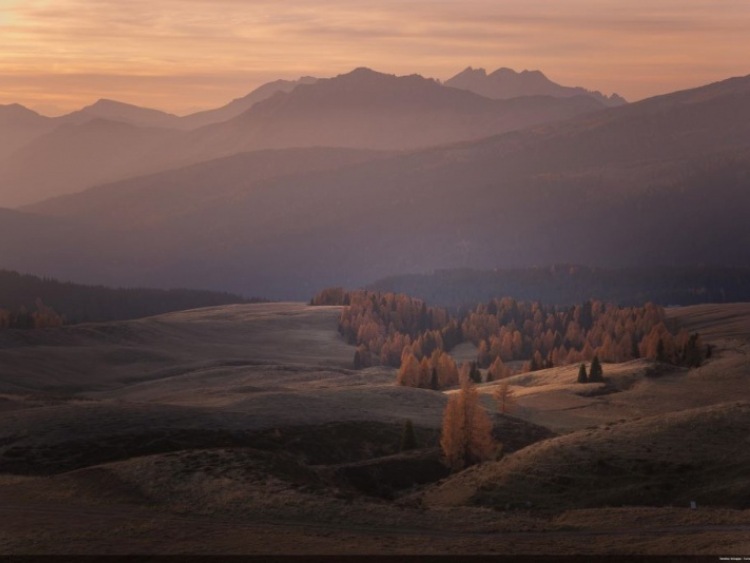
186,55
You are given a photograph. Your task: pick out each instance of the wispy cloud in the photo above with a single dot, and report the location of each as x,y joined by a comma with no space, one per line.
66,52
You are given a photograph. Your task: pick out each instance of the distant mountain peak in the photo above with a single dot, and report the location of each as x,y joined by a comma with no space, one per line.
16,113
505,83
363,70
115,110
242,104
105,102
363,73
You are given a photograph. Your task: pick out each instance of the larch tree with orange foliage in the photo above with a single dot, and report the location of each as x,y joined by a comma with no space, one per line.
408,374
466,436
498,370
504,397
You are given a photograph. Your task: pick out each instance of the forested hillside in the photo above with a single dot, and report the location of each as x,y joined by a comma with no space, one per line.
32,302
510,336
568,284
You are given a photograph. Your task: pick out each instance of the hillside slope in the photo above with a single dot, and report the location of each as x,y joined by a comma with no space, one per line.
665,460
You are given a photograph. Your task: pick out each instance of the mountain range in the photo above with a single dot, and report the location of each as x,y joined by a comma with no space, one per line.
363,109
506,83
659,182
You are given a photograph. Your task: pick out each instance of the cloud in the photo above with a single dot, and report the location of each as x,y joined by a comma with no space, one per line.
604,44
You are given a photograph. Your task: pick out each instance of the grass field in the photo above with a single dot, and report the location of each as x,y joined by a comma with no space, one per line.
243,429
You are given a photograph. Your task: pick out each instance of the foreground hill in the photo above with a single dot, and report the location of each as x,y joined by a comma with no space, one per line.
669,459
240,429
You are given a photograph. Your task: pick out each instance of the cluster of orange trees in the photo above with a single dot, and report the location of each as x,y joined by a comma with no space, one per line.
384,325
542,336
401,331
42,317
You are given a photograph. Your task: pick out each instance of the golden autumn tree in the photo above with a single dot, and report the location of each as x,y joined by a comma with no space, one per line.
447,371
408,374
466,436
498,370
504,397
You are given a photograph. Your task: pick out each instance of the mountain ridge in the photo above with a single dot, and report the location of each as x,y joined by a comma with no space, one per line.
505,83
590,190
359,110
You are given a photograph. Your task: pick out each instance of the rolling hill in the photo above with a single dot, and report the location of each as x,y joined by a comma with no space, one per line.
243,425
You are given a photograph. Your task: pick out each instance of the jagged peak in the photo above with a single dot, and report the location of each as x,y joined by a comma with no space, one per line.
473,71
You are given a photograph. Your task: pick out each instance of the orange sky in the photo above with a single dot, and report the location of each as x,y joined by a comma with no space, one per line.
185,55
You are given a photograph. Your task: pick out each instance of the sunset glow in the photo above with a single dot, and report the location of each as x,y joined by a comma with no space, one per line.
182,56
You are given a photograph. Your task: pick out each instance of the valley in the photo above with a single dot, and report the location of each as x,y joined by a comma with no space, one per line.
279,280
244,429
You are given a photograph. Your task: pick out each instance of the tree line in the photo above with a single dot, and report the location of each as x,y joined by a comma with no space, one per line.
511,336
21,294
22,318
568,284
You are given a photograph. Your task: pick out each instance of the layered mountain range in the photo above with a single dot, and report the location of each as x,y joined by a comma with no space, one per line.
346,180
108,141
506,83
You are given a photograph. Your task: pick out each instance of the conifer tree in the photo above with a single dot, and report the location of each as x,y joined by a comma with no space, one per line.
474,374
582,377
504,397
596,373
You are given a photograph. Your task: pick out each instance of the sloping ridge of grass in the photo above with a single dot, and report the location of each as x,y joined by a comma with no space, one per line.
697,455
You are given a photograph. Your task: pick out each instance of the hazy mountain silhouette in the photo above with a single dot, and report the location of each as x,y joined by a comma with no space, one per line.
75,156
240,105
163,197
506,83
657,182
19,126
368,109
60,163
112,110
362,109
